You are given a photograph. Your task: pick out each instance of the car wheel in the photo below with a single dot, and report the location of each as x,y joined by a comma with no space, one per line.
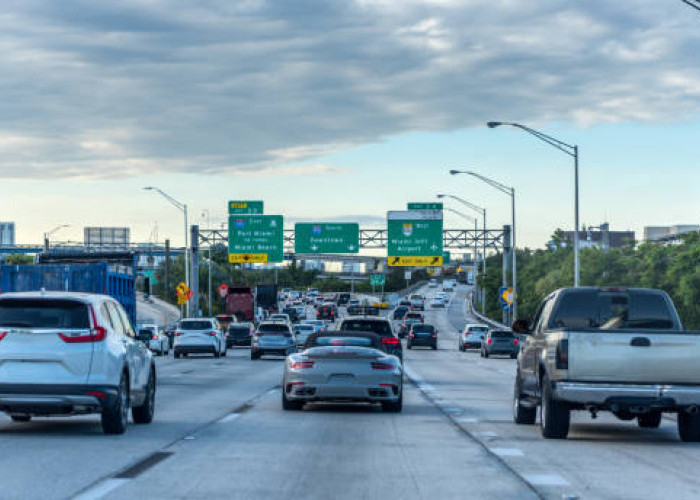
177,355
216,353
481,353
144,414
486,354
460,347
651,420
393,406
434,347
522,414
254,355
555,416
115,418
291,405
408,345
20,418
514,356
224,353
689,427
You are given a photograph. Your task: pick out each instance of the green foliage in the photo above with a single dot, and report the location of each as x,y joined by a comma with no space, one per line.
673,268
17,259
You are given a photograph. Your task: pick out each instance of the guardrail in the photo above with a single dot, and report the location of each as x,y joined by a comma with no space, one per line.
472,310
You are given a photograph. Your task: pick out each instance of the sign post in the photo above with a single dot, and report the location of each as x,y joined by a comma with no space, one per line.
415,238
326,238
255,239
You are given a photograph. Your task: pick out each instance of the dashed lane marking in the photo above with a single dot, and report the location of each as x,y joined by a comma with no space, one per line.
545,480
507,452
229,418
101,489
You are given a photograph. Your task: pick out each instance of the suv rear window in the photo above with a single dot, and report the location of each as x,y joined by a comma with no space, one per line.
501,335
423,328
239,330
477,329
413,315
367,325
196,325
273,328
49,313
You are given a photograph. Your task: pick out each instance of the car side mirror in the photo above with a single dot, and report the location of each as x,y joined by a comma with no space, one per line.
521,326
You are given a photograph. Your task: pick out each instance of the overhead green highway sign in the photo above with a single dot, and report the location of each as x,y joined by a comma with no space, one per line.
244,207
414,238
377,279
327,238
255,238
431,205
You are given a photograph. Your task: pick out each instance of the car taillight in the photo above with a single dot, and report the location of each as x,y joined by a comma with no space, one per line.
563,354
97,394
212,333
434,335
378,365
301,365
411,334
155,337
390,340
286,334
2,335
97,333
515,342
177,334
488,341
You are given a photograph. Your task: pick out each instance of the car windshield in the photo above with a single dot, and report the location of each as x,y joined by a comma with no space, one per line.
279,317
478,329
196,325
42,313
239,329
362,325
612,310
303,328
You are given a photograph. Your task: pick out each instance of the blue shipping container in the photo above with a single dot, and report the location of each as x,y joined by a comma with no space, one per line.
107,279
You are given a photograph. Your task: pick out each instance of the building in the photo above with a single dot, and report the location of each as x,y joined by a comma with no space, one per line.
601,237
7,233
658,233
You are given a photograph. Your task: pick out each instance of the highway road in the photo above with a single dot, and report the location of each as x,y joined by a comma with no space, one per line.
220,432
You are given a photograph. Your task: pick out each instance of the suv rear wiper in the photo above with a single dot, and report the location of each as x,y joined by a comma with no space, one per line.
17,323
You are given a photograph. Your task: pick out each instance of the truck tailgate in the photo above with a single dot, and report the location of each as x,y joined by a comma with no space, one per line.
634,357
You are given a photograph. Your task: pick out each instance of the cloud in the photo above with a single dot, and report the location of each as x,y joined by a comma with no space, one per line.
115,89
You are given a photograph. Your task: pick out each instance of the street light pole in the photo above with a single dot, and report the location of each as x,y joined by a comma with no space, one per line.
182,207
571,150
484,238
49,233
206,211
510,191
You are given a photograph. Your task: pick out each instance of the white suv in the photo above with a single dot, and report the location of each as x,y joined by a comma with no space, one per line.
64,353
199,335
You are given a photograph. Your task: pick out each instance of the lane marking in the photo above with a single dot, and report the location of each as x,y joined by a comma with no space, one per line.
229,418
468,420
507,452
545,480
101,489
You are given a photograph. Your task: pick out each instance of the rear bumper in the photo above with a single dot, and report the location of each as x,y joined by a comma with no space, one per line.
59,399
390,392
423,341
505,351
233,342
609,395
195,349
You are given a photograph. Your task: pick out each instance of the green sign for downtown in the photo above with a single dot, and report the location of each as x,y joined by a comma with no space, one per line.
326,238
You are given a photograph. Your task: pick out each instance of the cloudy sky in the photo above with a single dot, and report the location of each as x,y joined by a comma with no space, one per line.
345,109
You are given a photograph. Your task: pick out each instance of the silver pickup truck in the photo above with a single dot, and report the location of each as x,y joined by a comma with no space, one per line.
607,349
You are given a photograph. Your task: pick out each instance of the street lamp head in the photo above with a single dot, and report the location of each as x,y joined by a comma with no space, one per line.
148,188
494,124
455,172
440,196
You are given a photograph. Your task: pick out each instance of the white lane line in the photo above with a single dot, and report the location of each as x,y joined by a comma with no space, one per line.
507,452
468,420
486,434
545,480
101,489
228,418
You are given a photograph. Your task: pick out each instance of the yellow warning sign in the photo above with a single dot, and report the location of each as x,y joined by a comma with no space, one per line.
246,258
415,261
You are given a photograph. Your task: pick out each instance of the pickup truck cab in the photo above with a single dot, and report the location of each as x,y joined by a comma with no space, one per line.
607,349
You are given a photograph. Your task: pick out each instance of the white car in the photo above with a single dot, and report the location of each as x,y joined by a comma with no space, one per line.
472,336
199,336
318,324
302,332
65,353
448,286
281,317
154,338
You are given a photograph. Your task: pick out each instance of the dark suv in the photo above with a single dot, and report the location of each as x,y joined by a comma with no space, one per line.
343,298
239,334
422,334
379,325
327,312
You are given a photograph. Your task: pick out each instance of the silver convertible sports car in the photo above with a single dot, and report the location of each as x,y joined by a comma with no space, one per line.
343,367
